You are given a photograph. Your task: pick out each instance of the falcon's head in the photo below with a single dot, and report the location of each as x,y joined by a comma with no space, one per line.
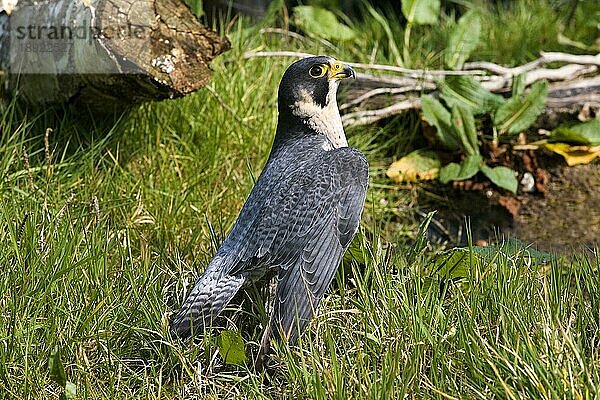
307,95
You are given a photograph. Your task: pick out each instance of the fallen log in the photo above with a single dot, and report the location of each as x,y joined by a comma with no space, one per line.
104,54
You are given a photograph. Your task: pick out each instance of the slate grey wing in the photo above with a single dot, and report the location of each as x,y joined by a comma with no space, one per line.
318,229
209,296
299,219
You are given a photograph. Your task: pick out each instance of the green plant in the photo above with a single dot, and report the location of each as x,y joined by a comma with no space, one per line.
464,98
520,112
455,129
319,22
458,129
57,374
417,12
463,40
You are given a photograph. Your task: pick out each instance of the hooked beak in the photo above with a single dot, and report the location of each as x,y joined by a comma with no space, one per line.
340,71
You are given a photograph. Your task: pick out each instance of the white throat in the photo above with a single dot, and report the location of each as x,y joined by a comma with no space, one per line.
324,120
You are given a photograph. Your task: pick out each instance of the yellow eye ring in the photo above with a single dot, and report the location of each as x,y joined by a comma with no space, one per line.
317,71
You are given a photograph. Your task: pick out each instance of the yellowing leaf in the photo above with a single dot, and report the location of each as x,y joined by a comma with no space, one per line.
574,155
420,165
231,347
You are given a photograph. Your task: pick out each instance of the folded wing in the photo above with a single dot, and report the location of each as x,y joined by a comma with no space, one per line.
304,230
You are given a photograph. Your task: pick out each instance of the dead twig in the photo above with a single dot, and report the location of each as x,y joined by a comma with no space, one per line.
396,81
413,73
570,84
380,91
545,58
367,117
566,72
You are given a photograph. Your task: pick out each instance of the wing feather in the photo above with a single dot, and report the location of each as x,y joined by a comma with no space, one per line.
336,202
301,221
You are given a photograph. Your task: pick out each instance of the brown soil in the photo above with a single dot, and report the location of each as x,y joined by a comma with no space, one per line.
568,214
562,214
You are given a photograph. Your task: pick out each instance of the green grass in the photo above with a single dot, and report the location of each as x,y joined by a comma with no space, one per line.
106,227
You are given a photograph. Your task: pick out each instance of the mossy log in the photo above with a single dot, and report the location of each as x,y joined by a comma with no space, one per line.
104,54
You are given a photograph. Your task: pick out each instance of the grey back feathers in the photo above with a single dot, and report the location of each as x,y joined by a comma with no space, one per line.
299,218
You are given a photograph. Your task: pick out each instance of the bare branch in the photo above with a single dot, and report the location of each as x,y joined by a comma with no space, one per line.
546,58
566,72
549,57
569,86
570,71
414,73
379,91
397,81
367,117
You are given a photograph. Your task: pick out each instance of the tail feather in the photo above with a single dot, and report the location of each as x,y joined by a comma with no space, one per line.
209,296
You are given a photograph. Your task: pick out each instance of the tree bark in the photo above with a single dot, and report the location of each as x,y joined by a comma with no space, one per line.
104,54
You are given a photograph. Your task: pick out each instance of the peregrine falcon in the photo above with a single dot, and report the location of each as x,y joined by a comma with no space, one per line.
299,218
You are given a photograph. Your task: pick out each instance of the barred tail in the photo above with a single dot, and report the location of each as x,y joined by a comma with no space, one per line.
209,296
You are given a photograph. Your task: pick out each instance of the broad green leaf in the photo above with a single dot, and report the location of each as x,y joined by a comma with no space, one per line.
437,115
463,40
502,177
457,262
518,85
518,113
515,250
464,123
419,165
321,23
574,155
421,12
450,172
587,133
467,92
58,375
465,170
453,263
56,368
231,347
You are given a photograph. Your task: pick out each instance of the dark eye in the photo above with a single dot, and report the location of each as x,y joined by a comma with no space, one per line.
316,71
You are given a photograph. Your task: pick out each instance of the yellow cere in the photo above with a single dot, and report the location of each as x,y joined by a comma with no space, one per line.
337,67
